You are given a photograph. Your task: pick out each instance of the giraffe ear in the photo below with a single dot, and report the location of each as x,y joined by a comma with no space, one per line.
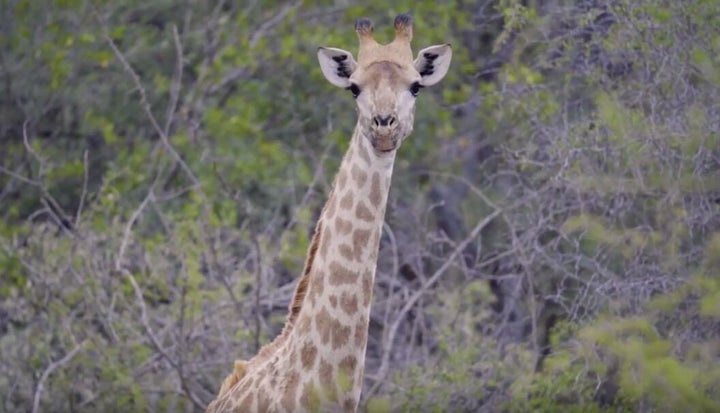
433,63
337,65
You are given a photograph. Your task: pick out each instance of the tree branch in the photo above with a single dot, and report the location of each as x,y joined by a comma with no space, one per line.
48,371
392,332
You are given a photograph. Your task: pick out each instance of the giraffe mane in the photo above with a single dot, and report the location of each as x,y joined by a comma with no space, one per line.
240,367
302,287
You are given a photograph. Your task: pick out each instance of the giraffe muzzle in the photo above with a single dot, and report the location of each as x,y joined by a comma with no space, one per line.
384,143
384,133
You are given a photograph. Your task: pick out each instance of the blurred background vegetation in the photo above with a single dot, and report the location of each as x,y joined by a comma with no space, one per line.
552,240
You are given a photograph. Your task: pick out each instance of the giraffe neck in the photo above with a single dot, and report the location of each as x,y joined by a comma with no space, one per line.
332,322
317,362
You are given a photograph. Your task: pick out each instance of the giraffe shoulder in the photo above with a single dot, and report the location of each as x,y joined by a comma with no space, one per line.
237,375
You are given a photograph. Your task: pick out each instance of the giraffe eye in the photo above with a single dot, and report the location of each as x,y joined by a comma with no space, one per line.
354,89
415,88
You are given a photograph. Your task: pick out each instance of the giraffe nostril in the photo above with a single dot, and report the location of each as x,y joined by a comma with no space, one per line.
388,120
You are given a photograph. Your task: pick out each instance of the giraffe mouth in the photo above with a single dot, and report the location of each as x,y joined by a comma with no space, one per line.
384,144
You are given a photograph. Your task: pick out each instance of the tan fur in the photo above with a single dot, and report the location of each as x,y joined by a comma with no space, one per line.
237,375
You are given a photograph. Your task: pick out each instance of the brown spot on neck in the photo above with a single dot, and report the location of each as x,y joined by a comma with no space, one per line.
361,330
307,356
363,213
342,226
327,380
349,303
360,240
358,175
331,330
346,373
324,325
291,385
347,201
375,192
367,288
348,365
346,252
340,274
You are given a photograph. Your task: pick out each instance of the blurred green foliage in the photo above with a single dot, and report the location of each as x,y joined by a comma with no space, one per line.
163,164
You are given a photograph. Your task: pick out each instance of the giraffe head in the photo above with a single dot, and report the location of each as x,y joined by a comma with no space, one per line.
385,80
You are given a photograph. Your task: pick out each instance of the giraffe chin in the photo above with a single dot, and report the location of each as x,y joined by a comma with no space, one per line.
384,144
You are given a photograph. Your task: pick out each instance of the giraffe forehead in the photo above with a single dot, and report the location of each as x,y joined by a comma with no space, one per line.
386,74
393,52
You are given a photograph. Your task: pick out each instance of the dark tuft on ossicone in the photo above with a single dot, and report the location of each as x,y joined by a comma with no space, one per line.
403,20
364,25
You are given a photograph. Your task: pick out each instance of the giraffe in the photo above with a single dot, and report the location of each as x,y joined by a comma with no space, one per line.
316,363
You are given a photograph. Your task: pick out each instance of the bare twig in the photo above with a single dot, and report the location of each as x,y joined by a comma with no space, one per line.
84,188
126,234
261,32
317,175
52,206
48,371
258,288
176,83
28,147
19,177
410,302
395,269
154,339
177,365
145,103
272,22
